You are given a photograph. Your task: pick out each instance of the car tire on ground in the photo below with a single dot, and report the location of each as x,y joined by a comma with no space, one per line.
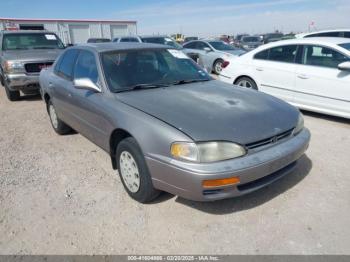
12,95
217,67
133,171
246,82
58,125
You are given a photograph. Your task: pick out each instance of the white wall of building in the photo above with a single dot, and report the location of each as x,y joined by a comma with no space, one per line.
77,32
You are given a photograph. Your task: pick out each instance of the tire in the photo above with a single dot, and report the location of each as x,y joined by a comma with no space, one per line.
217,67
58,125
246,82
133,171
12,95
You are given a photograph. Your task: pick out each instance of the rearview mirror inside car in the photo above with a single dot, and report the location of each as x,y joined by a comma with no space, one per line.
345,66
87,84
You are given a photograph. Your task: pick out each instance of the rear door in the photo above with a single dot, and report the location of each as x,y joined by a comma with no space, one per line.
274,70
61,84
320,85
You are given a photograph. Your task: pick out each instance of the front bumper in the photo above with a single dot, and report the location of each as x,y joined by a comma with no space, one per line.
255,171
22,82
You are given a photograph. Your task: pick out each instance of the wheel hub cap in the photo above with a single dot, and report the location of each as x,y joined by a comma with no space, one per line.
245,83
129,171
53,116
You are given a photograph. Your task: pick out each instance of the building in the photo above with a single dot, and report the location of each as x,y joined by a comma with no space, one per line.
73,31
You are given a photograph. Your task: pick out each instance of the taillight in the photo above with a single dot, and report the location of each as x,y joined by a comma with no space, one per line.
225,64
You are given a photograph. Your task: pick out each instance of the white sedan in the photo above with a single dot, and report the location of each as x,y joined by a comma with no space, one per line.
311,73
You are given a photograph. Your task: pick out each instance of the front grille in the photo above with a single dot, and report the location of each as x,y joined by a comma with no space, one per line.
269,140
36,67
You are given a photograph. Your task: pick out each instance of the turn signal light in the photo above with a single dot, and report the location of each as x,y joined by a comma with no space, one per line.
220,182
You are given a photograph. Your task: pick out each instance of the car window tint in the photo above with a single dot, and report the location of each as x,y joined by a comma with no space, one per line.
347,34
191,45
284,53
129,39
262,55
58,63
68,61
325,34
201,45
322,56
86,67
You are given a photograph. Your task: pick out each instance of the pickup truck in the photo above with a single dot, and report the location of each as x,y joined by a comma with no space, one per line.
23,54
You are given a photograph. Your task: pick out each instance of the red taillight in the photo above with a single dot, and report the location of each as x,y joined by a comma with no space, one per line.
225,64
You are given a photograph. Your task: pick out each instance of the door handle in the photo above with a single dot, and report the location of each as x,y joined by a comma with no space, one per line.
303,76
50,85
69,95
259,69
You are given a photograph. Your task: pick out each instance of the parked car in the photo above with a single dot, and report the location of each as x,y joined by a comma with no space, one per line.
237,40
272,37
327,33
190,38
250,42
168,126
164,40
129,39
212,53
311,73
23,54
98,40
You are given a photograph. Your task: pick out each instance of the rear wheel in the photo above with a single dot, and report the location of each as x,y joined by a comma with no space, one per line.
58,125
12,95
133,171
217,67
246,82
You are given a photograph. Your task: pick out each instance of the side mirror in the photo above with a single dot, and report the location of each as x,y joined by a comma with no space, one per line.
87,84
207,49
345,66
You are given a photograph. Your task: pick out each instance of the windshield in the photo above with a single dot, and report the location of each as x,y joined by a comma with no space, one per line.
220,45
162,40
273,35
127,69
31,41
251,39
346,46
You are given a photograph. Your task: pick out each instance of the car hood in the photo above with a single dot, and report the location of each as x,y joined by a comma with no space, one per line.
32,55
215,111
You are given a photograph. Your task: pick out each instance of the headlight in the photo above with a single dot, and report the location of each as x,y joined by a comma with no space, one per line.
206,152
300,124
13,67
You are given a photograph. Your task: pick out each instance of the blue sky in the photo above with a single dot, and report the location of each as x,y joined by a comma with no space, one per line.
193,17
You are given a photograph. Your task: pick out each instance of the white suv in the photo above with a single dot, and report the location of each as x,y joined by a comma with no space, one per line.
311,73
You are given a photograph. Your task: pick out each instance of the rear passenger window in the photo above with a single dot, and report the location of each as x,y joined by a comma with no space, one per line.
263,55
322,56
67,63
129,39
284,53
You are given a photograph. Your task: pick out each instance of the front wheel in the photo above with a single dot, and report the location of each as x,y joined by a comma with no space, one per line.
247,83
217,67
133,171
58,125
12,95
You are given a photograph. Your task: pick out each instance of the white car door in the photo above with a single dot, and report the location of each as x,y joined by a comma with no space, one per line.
274,70
320,85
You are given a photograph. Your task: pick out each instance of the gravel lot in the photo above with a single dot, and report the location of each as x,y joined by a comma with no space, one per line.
60,195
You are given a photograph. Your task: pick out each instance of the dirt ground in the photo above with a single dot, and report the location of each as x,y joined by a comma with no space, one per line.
60,195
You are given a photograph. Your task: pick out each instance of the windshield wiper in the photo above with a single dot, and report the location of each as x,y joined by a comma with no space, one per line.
186,81
142,86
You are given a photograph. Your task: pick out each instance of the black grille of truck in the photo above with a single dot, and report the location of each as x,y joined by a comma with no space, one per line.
36,67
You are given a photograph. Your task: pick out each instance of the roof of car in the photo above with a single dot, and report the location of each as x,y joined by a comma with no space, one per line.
113,46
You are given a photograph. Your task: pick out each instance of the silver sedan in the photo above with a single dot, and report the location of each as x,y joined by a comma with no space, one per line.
211,54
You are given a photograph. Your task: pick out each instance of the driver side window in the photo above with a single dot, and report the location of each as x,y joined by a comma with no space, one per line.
322,56
86,67
201,46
